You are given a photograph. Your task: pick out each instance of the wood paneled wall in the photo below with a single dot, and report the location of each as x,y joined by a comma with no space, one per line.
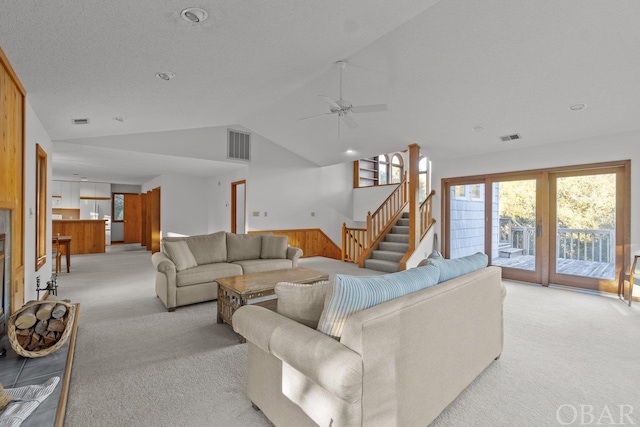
12,104
87,235
312,241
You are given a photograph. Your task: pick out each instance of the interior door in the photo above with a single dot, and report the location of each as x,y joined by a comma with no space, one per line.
238,207
132,218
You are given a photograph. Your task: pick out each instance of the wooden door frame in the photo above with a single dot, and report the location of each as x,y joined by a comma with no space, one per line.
234,203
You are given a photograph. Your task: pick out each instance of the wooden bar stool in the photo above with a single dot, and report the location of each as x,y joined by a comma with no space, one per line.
57,254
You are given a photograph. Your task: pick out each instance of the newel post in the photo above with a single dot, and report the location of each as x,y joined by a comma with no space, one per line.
369,230
414,196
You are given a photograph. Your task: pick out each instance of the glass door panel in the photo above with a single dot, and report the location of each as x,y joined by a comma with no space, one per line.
466,216
514,224
585,220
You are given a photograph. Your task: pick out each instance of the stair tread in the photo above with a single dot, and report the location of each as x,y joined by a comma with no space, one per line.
381,265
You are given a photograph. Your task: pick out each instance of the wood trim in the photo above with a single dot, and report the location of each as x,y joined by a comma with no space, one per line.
312,241
64,393
234,204
41,207
94,198
7,65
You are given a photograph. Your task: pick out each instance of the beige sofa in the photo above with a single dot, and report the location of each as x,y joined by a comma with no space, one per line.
399,363
187,267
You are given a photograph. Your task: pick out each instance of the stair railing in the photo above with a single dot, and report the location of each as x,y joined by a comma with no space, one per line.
357,243
354,241
426,214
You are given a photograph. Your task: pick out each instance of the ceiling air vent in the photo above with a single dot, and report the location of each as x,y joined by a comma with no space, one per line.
239,145
510,137
80,121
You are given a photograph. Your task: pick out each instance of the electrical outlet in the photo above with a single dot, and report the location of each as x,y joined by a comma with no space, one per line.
265,213
256,213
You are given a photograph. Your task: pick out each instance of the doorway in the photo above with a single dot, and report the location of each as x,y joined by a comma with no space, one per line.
238,207
566,226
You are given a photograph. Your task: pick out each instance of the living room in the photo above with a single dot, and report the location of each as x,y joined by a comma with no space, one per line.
455,78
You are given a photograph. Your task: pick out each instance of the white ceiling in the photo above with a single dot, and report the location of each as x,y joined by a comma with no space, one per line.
443,68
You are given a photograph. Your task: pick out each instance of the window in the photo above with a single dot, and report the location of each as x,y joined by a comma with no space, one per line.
118,207
383,168
397,169
422,178
460,191
475,191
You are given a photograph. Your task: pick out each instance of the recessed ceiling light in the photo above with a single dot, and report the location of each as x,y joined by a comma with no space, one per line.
119,118
165,75
350,151
84,178
194,15
478,128
577,107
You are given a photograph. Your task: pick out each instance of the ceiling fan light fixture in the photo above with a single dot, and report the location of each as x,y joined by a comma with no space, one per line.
194,15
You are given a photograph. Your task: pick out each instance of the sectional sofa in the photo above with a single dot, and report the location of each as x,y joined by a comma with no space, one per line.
396,363
187,267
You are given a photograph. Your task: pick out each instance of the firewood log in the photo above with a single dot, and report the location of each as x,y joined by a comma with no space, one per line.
41,327
56,325
27,318
59,311
44,312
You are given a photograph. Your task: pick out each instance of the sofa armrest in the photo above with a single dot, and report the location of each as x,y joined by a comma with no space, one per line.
294,255
323,360
317,356
163,264
256,324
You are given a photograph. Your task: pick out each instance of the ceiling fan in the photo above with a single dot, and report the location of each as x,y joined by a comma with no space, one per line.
343,108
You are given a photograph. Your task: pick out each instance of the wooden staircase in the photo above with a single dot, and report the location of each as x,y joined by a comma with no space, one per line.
392,249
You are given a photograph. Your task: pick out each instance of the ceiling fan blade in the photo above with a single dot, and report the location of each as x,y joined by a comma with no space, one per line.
350,122
331,102
317,115
375,108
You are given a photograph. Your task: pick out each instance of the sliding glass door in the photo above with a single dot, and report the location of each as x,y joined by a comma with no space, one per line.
563,226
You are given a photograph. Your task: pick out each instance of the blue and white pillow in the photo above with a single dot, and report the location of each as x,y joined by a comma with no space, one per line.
452,268
350,294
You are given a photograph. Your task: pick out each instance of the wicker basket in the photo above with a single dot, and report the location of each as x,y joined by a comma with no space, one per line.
68,325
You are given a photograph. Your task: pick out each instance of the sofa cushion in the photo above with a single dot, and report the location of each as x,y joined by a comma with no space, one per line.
260,265
273,247
208,248
243,246
207,273
180,254
348,294
302,302
451,268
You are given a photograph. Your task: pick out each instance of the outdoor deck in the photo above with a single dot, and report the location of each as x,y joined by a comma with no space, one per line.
573,267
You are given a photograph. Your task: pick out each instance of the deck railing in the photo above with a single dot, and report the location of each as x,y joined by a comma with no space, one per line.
571,243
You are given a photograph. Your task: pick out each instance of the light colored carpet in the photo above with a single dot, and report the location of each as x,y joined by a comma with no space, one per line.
138,365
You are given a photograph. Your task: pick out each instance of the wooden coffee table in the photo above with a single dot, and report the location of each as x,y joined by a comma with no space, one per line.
236,291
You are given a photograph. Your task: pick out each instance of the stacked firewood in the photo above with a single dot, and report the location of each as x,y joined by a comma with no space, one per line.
41,326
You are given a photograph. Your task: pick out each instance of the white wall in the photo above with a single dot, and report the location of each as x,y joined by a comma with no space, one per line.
622,146
35,134
183,203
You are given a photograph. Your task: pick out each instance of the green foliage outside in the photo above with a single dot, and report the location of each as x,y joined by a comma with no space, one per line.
584,202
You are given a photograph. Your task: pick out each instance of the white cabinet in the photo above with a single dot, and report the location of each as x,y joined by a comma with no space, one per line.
95,189
69,192
56,188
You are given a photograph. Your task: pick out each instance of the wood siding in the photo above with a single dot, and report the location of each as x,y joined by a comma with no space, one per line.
312,241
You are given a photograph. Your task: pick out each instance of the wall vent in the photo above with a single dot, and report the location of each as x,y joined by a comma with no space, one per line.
510,137
80,121
239,145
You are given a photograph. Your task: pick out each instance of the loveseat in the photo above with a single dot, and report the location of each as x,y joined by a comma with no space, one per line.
187,267
397,363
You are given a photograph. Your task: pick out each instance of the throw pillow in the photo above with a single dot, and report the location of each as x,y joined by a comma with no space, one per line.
302,302
243,246
273,247
208,248
451,268
348,294
180,254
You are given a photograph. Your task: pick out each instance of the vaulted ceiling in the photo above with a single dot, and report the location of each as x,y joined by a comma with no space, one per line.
456,75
